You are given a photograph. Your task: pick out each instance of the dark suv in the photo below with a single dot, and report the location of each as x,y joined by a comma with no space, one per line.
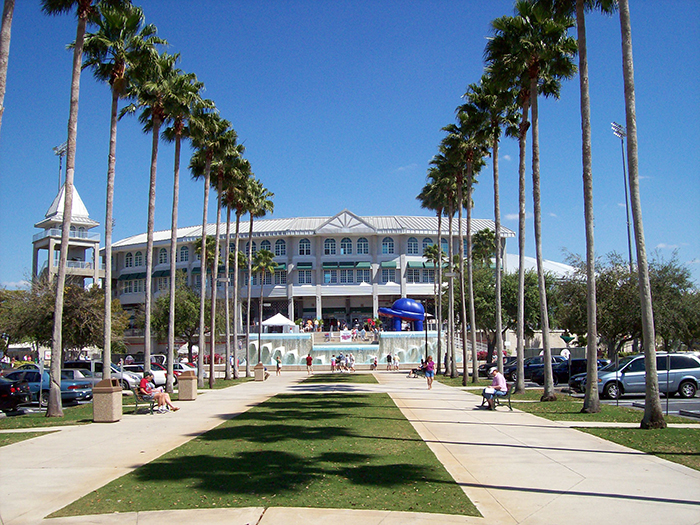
531,364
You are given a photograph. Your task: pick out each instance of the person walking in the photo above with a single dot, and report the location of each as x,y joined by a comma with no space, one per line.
430,371
309,364
388,361
278,361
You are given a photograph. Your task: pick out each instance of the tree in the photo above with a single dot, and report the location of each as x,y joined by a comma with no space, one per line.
263,265
151,86
653,415
85,11
259,204
120,43
206,129
497,102
183,96
538,41
5,33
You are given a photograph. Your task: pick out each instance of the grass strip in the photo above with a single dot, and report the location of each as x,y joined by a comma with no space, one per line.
457,381
342,378
16,437
351,451
680,445
568,408
72,415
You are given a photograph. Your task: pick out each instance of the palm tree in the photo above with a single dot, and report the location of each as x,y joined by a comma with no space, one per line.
262,266
259,204
653,415
498,105
467,146
206,129
85,12
591,402
150,87
5,33
537,47
120,43
234,199
184,95
227,147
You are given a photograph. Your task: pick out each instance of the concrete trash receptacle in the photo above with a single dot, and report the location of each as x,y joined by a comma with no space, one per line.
260,374
187,386
107,401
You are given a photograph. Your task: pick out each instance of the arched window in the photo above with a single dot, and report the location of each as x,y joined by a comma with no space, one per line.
427,242
138,259
445,246
304,247
387,245
128,260
329,247
162,256
412,246
255,249
280,248
184,254
362,246
265,245
346,246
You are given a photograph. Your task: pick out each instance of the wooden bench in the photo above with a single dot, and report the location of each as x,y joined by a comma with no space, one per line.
502,399
139,398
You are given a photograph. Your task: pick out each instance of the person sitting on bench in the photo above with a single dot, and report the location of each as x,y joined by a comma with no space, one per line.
498,387
148,391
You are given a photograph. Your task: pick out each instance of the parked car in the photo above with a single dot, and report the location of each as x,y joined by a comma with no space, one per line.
79,374
629,376
485,367
71,391
179,368
127,380
13,394
160,374
563,370
531,364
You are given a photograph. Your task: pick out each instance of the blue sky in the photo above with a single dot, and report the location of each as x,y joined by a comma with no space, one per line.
340,104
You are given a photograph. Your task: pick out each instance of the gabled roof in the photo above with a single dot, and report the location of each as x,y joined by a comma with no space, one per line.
345,222
79,213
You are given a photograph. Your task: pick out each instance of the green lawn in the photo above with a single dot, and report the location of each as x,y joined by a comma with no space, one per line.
72,415
16,437
352,451
680,445
341,378
457,381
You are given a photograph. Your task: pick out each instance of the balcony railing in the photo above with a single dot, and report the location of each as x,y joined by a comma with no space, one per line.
56,232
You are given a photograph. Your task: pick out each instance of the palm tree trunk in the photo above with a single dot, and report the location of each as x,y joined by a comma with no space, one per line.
149,246
109,211
214,286
591,401
203,273
544,316
5,33
522,140
236,273
260,315
438,277
653,415
497,221
173,264
470,284
451,300
462,280
227,305
250,283
55,408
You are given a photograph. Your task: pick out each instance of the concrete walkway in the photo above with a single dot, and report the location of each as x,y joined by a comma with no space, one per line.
515,467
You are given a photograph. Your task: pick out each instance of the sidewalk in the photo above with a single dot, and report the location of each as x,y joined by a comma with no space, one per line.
516,468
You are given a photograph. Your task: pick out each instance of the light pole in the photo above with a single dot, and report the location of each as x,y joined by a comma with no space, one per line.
60,151
620,132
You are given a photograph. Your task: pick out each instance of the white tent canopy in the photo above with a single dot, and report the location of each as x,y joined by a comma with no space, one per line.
278,320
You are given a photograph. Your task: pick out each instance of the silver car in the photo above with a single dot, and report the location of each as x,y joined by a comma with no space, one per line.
629,376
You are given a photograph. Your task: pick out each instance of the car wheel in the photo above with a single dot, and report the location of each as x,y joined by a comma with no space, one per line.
514,377
687,389
44,399
612,391
124,384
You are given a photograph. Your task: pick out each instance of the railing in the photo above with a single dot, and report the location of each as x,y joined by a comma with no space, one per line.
56,232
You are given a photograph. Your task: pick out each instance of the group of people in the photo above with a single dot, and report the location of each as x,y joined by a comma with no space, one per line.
392,362
342,362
